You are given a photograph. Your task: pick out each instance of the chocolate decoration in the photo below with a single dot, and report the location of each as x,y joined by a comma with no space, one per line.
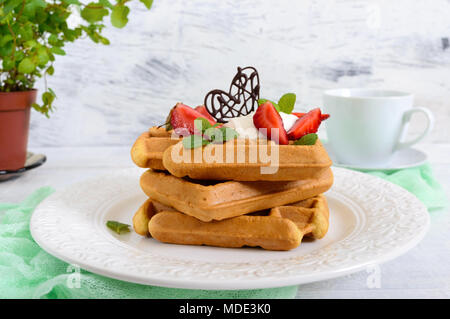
241,99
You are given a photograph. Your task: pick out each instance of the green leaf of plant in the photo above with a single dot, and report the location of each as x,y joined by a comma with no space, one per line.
106,3
193,141
53,39
147,3
201,124
118,227
308,139
48,98
287,102
50,70
104,40
10,5
56,50
94,12
7,64
5,39
30,44
119,16
42,55
26,33
31,6
26,66
72,2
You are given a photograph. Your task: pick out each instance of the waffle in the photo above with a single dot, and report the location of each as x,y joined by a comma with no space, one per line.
268,232
212,200
145,213
280,229
311,215
248,160
147,151
155,148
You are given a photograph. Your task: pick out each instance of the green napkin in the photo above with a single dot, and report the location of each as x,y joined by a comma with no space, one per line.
26,271
420,182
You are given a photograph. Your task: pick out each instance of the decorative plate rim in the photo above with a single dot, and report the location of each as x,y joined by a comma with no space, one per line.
395,221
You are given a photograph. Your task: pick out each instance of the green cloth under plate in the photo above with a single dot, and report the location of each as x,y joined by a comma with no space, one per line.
419,181
26,271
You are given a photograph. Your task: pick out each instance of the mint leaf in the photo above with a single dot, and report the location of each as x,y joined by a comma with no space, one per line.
118,227
201,124
221,134
213,134
261,101
308,139
119,16
194,141
228,133
287,102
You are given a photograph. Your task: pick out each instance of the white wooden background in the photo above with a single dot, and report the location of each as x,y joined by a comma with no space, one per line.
181,49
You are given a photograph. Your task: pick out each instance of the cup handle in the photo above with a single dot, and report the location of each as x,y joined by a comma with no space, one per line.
407,117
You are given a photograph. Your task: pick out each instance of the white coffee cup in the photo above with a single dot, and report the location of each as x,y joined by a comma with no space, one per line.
367,126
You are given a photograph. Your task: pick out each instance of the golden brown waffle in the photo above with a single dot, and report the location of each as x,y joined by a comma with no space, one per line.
145,213
281,229
246,160
208,200
268,232
311,215
148,150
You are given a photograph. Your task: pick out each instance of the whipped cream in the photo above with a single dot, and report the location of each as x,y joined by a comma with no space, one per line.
246,129
288,120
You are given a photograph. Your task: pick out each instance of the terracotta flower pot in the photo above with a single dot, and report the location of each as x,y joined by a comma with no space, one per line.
14,124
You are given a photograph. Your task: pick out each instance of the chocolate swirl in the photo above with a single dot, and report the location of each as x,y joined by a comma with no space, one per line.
241,99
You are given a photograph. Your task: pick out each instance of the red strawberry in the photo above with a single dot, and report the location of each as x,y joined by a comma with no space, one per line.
308,123
323,117
183,116
202,109
266,116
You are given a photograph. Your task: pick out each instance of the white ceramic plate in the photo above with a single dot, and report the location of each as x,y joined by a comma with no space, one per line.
372,221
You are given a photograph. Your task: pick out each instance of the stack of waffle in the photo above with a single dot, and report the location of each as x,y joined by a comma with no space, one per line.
231,204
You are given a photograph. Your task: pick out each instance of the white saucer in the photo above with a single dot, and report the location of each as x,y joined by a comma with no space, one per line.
406,158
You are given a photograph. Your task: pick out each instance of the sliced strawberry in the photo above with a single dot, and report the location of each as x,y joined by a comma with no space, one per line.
266,116
183,117
308,123
202,109
323,117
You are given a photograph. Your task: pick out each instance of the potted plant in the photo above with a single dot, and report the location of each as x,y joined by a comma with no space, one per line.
32,33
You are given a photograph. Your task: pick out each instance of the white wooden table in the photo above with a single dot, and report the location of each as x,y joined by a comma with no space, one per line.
423,272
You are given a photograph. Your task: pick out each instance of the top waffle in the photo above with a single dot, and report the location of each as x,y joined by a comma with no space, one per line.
240,159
